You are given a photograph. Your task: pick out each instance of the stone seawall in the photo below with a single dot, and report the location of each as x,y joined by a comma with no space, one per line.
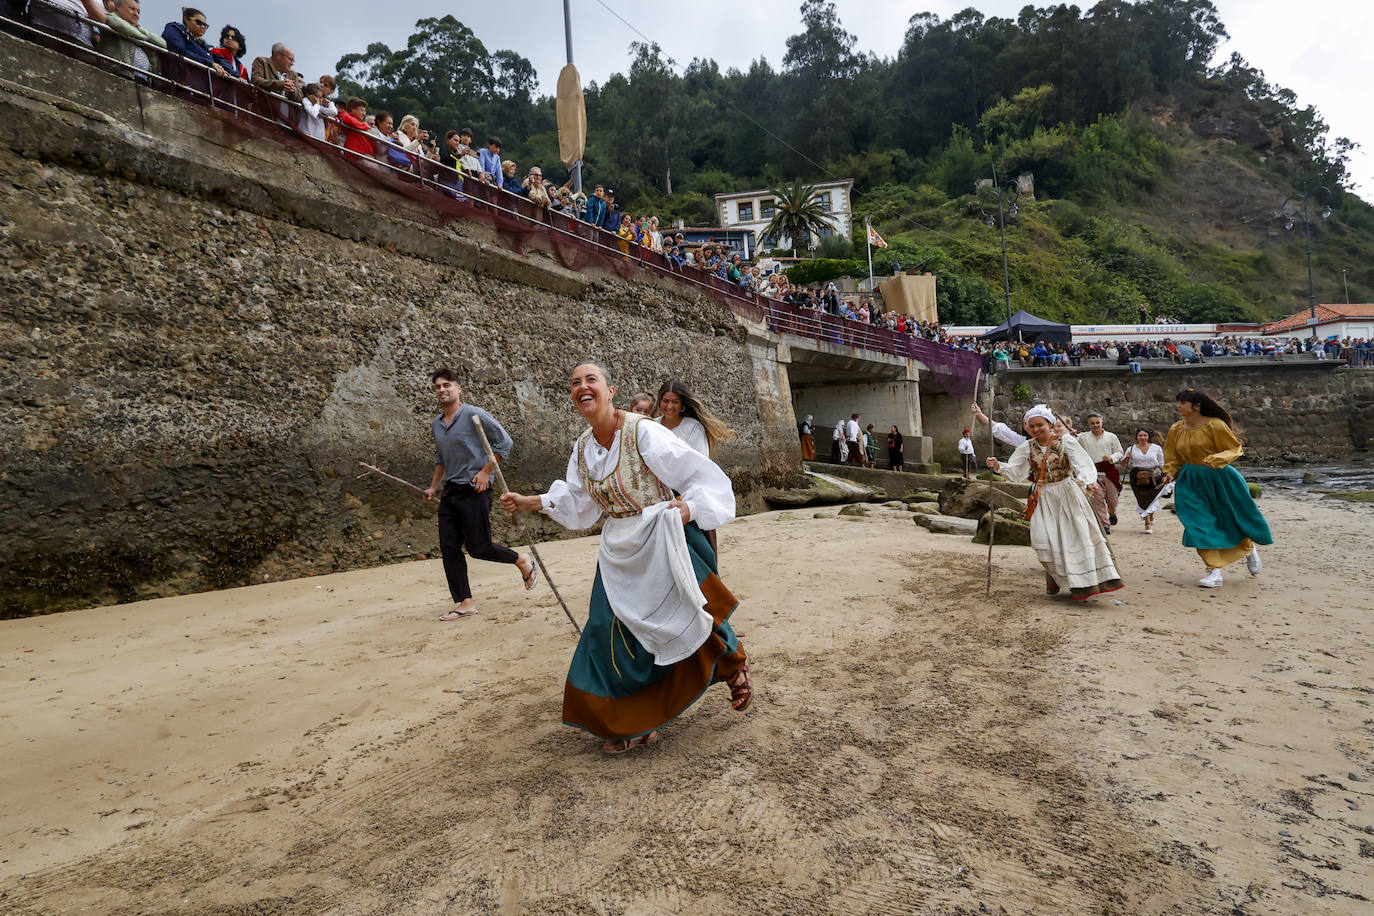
202,333
1298,409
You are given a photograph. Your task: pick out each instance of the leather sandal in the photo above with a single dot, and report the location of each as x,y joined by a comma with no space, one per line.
741,690
624,744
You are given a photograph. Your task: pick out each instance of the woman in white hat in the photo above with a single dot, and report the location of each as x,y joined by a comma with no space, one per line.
1064,532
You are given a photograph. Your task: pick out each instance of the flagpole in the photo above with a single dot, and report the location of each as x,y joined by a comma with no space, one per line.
868,237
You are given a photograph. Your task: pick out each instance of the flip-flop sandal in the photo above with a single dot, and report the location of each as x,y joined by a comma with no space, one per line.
533,578
456,615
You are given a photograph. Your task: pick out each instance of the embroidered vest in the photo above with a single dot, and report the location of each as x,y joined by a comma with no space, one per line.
631,487
1057,465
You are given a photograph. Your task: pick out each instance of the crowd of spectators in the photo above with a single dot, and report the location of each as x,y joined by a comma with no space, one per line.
1177,352
114,28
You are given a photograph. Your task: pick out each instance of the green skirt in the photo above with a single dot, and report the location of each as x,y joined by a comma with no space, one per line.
615,689
1216,508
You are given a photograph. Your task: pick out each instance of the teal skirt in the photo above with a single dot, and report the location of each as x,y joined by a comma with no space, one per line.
1216,509
615,689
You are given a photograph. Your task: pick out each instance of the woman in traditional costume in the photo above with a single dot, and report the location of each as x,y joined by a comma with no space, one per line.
657,632
1064,532
1144,462
1211,498
685,414
807,433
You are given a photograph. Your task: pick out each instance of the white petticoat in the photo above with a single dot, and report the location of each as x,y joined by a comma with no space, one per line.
651,585
1067,540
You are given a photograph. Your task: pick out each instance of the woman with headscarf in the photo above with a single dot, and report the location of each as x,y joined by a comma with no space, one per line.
1211,498
657,632
807,433
1064,532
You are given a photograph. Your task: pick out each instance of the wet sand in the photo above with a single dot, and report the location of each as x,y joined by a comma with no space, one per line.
325,745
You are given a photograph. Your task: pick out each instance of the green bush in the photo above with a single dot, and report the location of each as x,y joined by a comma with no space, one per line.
1021,392
821,270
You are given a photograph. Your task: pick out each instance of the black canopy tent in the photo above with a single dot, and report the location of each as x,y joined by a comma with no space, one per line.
1027,327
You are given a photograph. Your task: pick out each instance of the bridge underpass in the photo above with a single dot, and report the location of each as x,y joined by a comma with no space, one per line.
830,382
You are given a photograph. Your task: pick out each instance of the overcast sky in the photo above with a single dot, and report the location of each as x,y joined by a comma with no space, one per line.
1316,48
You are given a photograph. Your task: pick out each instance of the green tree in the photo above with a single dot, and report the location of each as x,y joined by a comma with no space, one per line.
797,215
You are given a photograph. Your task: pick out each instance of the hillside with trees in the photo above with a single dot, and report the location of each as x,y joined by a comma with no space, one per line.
1160,180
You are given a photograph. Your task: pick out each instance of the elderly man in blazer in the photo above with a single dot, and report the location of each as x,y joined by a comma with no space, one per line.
274,74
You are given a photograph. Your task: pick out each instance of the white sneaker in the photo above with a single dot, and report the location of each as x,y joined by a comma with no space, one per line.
1252,562
1211,580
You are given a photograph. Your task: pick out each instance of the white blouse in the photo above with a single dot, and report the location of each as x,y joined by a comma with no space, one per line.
1153,457
690,430
704,486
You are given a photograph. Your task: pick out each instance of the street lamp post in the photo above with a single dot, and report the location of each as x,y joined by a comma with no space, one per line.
1001,223
1307,233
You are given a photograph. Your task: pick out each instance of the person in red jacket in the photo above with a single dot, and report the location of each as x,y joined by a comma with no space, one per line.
230,52
355,129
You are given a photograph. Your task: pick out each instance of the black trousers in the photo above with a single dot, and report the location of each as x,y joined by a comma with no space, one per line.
465,521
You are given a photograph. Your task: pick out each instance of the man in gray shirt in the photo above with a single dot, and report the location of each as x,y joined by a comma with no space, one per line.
461,467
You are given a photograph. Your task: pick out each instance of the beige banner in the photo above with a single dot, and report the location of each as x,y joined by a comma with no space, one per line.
911,294
572,116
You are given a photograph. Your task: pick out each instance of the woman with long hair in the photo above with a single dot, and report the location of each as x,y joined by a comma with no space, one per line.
1144,462
657,632
1068,541
1211,498
683,413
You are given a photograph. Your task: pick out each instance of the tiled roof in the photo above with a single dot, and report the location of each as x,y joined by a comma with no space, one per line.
1325,313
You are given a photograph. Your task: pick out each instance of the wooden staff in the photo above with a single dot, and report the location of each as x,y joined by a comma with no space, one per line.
992,507
404,483
501,481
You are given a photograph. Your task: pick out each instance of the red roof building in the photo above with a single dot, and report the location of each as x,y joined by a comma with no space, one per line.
1341,320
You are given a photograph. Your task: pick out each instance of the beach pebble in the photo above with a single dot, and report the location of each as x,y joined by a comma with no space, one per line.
1284,833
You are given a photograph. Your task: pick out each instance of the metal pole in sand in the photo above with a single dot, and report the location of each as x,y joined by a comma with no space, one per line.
501,482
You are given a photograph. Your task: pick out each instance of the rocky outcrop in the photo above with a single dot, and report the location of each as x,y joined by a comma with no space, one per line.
972,498
1012,528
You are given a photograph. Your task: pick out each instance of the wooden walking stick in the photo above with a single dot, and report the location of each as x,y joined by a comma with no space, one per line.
404,483
501,481
992,508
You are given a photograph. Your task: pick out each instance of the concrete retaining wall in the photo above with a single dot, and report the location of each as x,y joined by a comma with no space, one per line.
201,333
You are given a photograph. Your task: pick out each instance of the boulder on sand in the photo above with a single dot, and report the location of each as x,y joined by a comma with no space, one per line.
972,498
823,491
1012,528
944,524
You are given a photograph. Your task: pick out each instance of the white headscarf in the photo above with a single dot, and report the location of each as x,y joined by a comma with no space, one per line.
1039,410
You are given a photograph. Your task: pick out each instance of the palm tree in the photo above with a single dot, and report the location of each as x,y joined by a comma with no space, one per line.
797,214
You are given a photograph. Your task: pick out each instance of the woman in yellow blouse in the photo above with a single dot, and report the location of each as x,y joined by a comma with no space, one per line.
1212,500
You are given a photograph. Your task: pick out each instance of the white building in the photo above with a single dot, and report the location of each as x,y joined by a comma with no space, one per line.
754,210
1339,320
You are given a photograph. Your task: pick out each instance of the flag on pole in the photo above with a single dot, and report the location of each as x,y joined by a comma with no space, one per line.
875,239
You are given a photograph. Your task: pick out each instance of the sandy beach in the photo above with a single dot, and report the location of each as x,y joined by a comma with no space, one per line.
325,745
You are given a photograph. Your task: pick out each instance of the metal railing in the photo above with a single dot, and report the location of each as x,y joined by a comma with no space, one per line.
195,82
